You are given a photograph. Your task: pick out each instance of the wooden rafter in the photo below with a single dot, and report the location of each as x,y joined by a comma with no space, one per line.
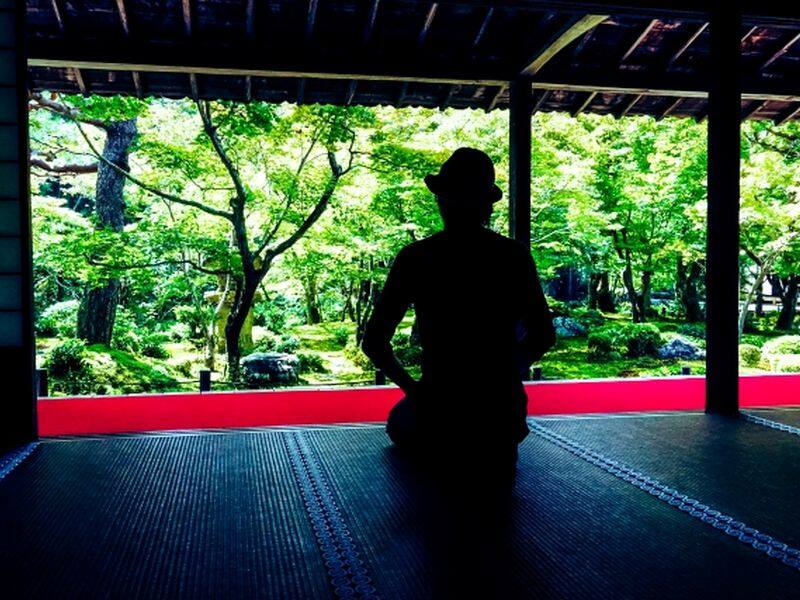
539,100
566,34
248,88
638,41
628,105
780,52
401,97
482,29
311,18
186,6
194,87
670,108
123,17
788,115
372,16
685,46
137,84
496,96
59,14
250,19
750,32
448,97
76,73
301,90
753,108
351,91
426,26
584,103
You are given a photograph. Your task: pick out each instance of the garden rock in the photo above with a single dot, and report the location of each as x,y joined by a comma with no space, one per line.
567,327
270,368
681,348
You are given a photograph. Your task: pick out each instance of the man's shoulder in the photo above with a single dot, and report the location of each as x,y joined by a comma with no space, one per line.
421,247
505,244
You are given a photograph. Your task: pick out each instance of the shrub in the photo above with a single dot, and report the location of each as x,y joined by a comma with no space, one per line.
785,344
604,342
69,368
749,355
152,345
180,332
789,363
308,362
267,343
695,330
341,333
125,335
287,344
588,317
642,339
353,352
557,307
59,320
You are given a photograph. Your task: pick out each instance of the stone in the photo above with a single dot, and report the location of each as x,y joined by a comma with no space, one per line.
681,348
567,327
270,368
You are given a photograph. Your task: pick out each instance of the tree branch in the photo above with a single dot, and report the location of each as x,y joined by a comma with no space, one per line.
74,169
64,111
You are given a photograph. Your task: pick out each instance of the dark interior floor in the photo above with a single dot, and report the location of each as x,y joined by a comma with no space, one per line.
320,512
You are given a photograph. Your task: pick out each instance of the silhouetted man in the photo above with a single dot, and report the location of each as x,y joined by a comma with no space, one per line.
482,320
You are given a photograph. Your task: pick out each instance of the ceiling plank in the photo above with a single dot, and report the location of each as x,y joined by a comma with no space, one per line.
566,34
59,14
638,41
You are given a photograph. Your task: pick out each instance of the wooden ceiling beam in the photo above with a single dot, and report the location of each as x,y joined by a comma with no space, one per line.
426,26
685,46
351,92
628,105
311,18
137,84
482,29
301,90
753,108
123,17
638,41
540,97
780,52
186,6
58,11
570,31
584,104
194,87
670,108
369,27
248,89
78,76
788,115
250,20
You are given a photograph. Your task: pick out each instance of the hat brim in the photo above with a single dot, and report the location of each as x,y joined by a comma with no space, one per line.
439,185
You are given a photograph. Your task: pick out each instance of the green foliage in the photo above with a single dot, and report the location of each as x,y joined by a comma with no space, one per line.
693,330
588,317
341,334
407,351
152,345
59,320
69,369
631,339
785,344
310,362
288,344
749,355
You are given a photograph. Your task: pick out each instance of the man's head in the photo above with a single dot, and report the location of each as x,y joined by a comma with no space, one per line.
465,188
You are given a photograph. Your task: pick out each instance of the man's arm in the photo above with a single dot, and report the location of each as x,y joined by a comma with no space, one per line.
389,310
539,335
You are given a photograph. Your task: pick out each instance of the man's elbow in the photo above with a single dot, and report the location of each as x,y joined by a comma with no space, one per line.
373,349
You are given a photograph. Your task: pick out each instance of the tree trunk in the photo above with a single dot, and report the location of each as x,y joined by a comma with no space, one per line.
789,290
600,296
763,269
243,301
313,313
98,309
637,302
686,282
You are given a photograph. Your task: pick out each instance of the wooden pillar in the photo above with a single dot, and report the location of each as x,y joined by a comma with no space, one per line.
722,253
17,372
519,162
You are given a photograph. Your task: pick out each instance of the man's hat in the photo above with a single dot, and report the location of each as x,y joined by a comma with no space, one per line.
467,172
